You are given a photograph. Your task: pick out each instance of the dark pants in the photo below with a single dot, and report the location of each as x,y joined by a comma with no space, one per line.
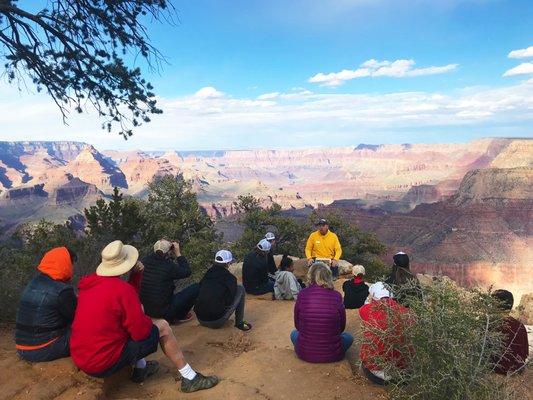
58,349
133,351
236,307
262,289
346,339
182,302
373,378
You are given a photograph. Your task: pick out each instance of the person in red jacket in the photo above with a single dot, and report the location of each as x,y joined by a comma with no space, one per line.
380,340
111,331
515,351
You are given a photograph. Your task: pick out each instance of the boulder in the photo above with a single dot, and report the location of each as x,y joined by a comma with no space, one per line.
525,309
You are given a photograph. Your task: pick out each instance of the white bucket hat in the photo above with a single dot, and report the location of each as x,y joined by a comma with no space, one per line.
378,291
117,259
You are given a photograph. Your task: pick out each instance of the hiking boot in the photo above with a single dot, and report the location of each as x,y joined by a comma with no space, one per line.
140,374
187,318
199,382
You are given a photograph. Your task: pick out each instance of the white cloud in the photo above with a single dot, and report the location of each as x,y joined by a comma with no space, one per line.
521,53
522,69
375,68
298,119
268,96
208,92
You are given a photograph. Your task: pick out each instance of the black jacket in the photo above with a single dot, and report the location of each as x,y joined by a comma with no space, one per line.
218,288
254,270
355,294
157,285
46,310
272,268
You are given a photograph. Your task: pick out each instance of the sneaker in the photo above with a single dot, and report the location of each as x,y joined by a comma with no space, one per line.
187,318
245,326
199,382
140,374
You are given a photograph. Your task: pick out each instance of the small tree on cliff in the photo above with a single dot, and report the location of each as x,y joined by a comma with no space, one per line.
120,218
76,51
172,211
257,220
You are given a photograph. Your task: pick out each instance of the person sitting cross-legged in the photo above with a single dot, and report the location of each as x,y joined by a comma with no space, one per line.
355,290
111,331
46,309
220,296
255,270
161,269
320,319
287,286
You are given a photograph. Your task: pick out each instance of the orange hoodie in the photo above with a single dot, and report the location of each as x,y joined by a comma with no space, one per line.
57,264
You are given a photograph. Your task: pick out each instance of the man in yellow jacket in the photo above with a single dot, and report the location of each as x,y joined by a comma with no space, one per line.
324,244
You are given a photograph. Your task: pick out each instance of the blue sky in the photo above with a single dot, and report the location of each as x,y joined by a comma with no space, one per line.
275,74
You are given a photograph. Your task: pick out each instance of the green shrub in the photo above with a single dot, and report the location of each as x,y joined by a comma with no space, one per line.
447,342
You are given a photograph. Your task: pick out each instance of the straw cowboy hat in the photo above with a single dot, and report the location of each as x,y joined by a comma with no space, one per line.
117,259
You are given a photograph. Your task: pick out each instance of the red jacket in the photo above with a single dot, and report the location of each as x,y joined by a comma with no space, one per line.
109,313
516,347
375,317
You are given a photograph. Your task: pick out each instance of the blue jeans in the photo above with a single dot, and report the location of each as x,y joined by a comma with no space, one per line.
346,339
58,349
133,351
263,289
182,302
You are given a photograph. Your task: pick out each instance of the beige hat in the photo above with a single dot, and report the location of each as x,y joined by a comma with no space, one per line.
358,270
162,245
117,259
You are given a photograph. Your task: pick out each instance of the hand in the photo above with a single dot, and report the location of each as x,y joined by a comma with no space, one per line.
177,250
138,267
334,263
309,261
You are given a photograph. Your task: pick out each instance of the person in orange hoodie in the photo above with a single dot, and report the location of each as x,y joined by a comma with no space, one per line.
46,309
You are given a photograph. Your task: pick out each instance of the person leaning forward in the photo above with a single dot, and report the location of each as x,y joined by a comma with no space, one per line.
162,268
324,244
111,331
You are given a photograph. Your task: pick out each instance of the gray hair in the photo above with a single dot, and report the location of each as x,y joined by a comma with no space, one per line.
319,274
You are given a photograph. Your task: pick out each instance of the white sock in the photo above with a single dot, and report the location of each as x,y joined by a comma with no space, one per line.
187,372
141,363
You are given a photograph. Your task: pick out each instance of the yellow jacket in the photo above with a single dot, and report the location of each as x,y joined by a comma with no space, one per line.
323,246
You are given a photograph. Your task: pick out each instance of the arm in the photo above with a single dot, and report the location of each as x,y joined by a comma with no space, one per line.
294,287
309,247
135,322
338,248
272,269
342,314
135,279
67,303
180,269
297,314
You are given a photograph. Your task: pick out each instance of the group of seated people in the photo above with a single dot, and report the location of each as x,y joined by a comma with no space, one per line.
124,310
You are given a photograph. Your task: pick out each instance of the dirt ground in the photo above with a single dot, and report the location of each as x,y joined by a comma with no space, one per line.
260,364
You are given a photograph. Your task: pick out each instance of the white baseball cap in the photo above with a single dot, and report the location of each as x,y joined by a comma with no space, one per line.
264,245
378,291
223,257
163,246
358,270
270,236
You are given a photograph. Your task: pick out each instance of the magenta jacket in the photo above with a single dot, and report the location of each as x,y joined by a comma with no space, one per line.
320,318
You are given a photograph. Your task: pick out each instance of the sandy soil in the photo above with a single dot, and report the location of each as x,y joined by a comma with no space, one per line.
259,364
